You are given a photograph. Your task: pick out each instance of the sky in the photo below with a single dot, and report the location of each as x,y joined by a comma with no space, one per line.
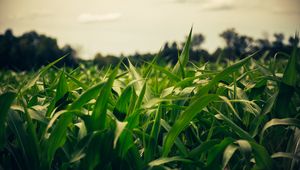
128,26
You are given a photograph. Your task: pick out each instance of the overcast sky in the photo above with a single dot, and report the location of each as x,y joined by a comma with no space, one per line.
127,26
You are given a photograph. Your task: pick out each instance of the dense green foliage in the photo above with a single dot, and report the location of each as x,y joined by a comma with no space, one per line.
31,51
241,114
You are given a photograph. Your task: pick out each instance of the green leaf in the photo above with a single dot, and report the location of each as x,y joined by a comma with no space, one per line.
228,153
34,114
287,86
138,85
6,100
227,71
276,122
152,143
203,147
58,135
126,139
99,112
120,126
28,152
74,79
185,118
217,151
32,81
290,72
285,155
140,97
99,151
181,147
86,96
122,106
262,158
61,91
62,87
269,104
162,161
283,100
243,145
242,133
227,101
184,57
170,75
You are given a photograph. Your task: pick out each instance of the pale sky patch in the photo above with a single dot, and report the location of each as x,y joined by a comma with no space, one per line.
36,14
92,18
279,10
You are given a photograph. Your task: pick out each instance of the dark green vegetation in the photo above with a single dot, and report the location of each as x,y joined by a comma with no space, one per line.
241,114
31,50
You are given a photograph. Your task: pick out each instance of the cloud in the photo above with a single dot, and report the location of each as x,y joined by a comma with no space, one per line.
92,18
218,5
211,5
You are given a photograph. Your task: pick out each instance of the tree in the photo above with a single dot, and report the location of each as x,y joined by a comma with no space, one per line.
278,43
294,40
31,51
236,45
8,49
197,41
230,37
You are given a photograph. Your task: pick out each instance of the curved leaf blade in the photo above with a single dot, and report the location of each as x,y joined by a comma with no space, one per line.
185,119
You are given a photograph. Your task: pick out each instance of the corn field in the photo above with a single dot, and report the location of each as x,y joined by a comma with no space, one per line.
232,115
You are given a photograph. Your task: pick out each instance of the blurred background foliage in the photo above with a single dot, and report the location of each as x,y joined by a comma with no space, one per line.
31,50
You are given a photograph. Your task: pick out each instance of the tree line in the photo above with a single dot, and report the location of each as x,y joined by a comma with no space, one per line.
237,46
31,50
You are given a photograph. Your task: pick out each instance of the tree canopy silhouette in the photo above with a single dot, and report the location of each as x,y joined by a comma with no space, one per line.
31,51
